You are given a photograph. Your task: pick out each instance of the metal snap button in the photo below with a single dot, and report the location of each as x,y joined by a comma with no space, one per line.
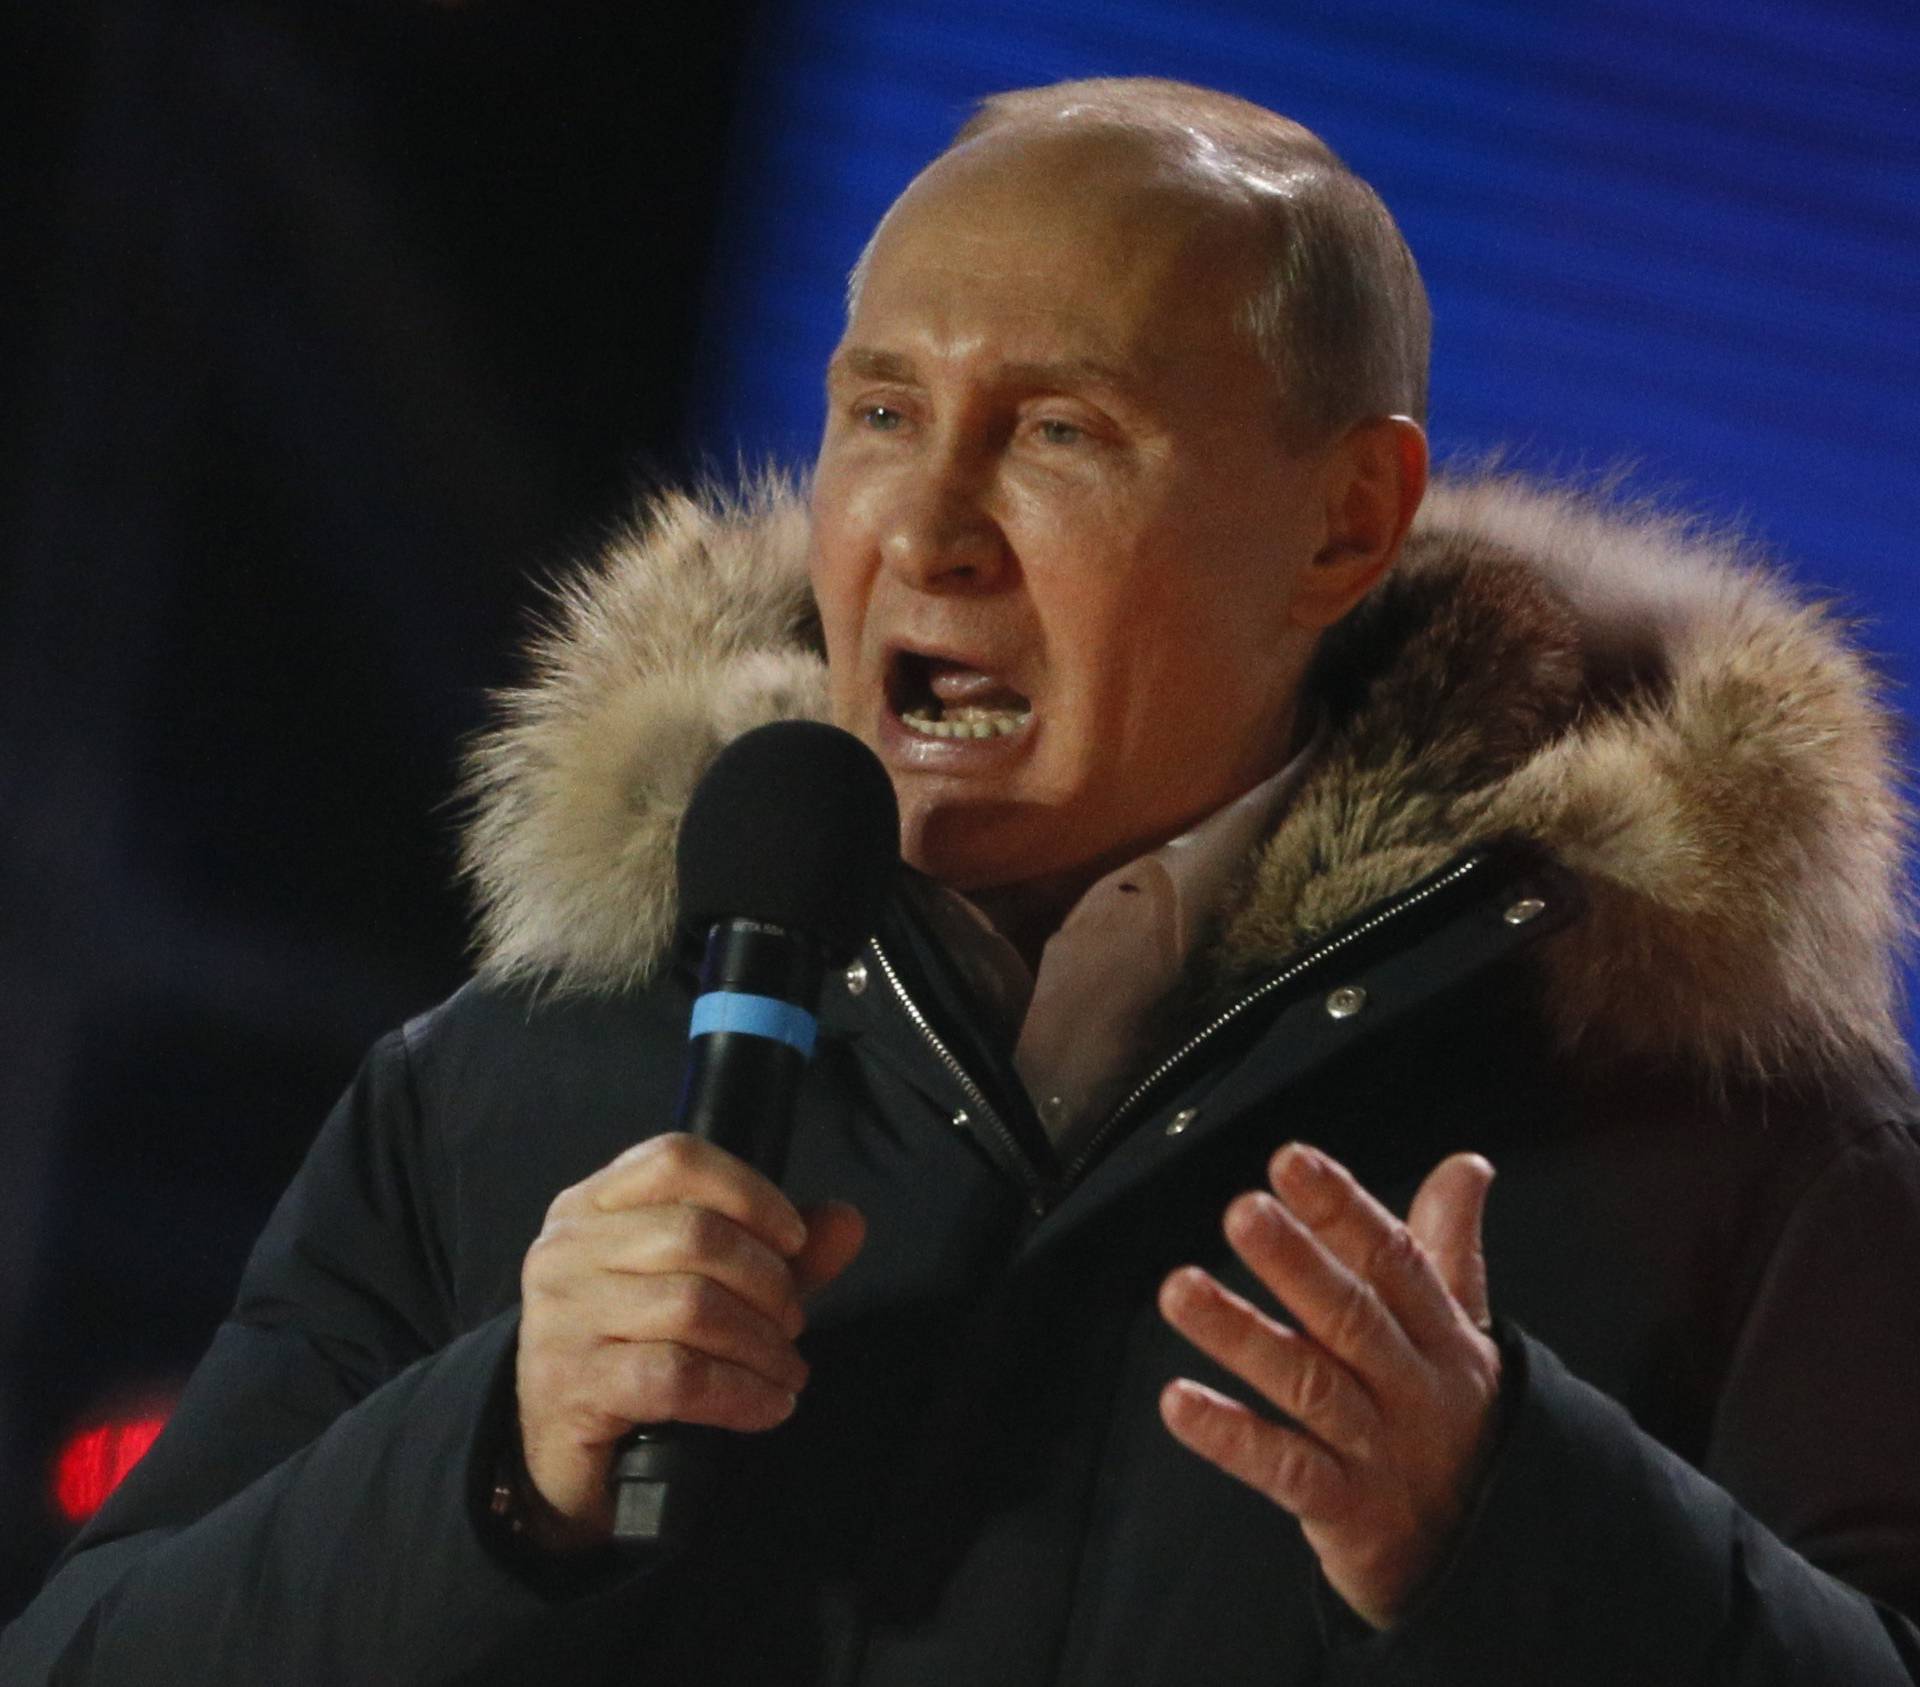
1181,1120
1345,1002
856,977
961,1120
1524,910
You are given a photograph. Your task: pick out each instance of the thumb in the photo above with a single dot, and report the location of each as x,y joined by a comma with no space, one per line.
835,1232
1445,1221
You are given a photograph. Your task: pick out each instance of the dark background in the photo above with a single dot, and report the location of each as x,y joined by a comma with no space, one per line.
327,324
328,327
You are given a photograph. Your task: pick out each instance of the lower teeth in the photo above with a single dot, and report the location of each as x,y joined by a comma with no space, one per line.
974,723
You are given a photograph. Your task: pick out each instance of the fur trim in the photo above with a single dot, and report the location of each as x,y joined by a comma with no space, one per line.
1706,751
697,625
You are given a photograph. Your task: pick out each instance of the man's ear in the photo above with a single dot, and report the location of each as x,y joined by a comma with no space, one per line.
1376,475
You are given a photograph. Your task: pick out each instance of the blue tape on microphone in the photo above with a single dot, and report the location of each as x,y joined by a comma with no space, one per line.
757,1016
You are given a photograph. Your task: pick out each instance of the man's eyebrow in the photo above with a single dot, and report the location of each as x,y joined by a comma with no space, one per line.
872,364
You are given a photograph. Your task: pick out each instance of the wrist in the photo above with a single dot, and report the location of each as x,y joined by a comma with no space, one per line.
524,1516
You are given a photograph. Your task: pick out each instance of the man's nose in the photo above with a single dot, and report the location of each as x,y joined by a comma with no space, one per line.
939,534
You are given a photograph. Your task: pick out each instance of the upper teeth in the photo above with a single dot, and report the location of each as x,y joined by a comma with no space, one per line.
965,721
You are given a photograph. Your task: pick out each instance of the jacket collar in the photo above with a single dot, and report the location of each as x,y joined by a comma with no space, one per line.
1705,751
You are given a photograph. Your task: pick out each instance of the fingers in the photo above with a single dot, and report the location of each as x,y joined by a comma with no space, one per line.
696,1238
835,1234
695,1312
687,1277
671,1382
694,1387
660,1241
1291,1371
1390,1387
1340,1310
667,1287
1289,1468
1446,1221
1374,1247
679,1167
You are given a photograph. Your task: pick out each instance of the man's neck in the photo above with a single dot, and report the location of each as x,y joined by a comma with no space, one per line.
1026,915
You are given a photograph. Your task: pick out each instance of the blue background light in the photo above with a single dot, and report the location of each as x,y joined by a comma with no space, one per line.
1675,239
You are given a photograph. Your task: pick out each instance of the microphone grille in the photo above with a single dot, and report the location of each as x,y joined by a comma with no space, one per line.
795,823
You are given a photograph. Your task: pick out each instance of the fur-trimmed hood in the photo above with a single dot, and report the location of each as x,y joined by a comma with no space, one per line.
1706,751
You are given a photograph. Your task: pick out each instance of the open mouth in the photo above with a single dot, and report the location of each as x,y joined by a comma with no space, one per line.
938,698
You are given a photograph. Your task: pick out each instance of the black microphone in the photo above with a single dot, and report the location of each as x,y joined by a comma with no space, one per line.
785,855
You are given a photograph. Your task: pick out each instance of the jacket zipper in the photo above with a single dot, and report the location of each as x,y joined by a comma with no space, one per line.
1091,1148
1043,1196
1038,1193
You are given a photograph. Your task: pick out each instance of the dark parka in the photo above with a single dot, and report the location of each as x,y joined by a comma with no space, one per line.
1595,873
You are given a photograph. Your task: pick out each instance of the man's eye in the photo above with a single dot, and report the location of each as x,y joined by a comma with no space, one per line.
1056,432
880,418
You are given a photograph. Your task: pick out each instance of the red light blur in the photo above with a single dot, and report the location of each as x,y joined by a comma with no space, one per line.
95,1460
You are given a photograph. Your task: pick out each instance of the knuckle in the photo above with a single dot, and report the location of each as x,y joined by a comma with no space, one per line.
704,1234
1311,1481
1396,1254
571,1388
1355,1314
678,1154
557,1231
1283,1460
539,1376
696,1309
545,1261
536,1277
1313,1388
684,1383
682,1375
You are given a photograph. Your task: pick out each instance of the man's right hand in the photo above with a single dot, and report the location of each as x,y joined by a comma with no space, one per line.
667,1287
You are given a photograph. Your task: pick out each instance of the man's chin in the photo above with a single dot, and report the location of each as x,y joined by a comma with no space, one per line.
965,847
982,847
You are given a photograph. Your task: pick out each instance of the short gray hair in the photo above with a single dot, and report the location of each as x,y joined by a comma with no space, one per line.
1342,320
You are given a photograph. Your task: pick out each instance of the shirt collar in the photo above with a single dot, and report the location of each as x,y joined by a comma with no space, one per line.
1199,867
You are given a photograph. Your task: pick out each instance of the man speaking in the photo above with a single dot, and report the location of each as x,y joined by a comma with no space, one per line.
1278,865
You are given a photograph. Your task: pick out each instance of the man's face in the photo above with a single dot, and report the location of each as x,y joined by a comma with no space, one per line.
1056,531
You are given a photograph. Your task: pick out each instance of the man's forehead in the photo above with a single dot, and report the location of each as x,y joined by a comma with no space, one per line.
1095,175
1113,246
1076,151
880,363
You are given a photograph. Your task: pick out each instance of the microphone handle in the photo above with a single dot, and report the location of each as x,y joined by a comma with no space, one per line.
751,1037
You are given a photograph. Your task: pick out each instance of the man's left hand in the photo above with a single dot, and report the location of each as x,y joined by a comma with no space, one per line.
1390,1380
